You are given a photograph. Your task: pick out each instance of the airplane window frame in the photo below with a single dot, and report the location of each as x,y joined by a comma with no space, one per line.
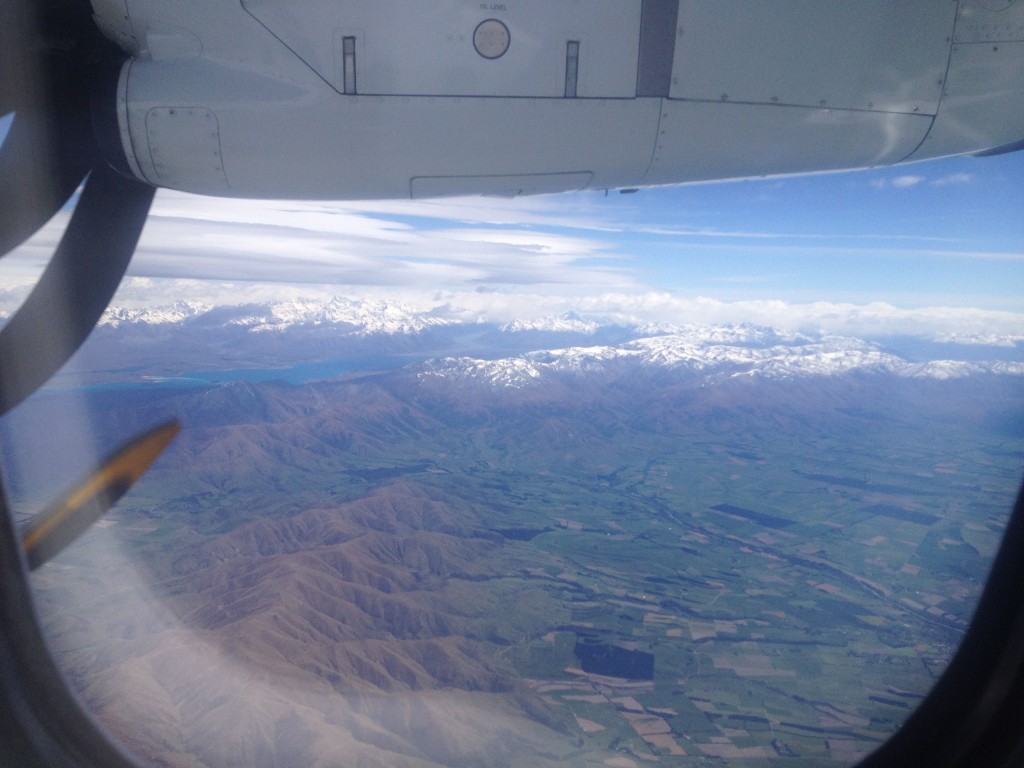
973,716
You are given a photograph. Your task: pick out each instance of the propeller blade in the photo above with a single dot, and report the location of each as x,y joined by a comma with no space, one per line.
49,72
76,286
63,521
18,60
39,170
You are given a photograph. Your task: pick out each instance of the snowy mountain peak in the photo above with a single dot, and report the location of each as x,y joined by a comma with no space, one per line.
569,322
178,312
351,316
361,317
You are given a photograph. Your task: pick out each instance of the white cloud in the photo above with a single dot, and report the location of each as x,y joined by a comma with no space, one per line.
371,243
874,319
446,244
502,305
902,182
912,180
495,259
431,287
898,182
953,179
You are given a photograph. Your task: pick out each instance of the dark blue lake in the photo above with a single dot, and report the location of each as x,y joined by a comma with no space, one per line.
303,372
296,374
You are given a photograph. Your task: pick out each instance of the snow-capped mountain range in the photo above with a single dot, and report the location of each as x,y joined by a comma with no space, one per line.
715,352
461,347
352,316
179,312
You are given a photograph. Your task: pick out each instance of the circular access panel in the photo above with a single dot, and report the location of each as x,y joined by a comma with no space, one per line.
491,38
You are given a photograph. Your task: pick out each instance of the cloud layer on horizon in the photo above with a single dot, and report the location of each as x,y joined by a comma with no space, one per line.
659,310
496,259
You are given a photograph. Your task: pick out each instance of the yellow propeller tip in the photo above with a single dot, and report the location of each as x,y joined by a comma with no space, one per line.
67,518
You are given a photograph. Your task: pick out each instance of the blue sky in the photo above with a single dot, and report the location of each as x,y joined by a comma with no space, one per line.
905,241
946,232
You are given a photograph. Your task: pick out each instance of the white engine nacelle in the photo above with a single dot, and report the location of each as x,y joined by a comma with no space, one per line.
337,99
